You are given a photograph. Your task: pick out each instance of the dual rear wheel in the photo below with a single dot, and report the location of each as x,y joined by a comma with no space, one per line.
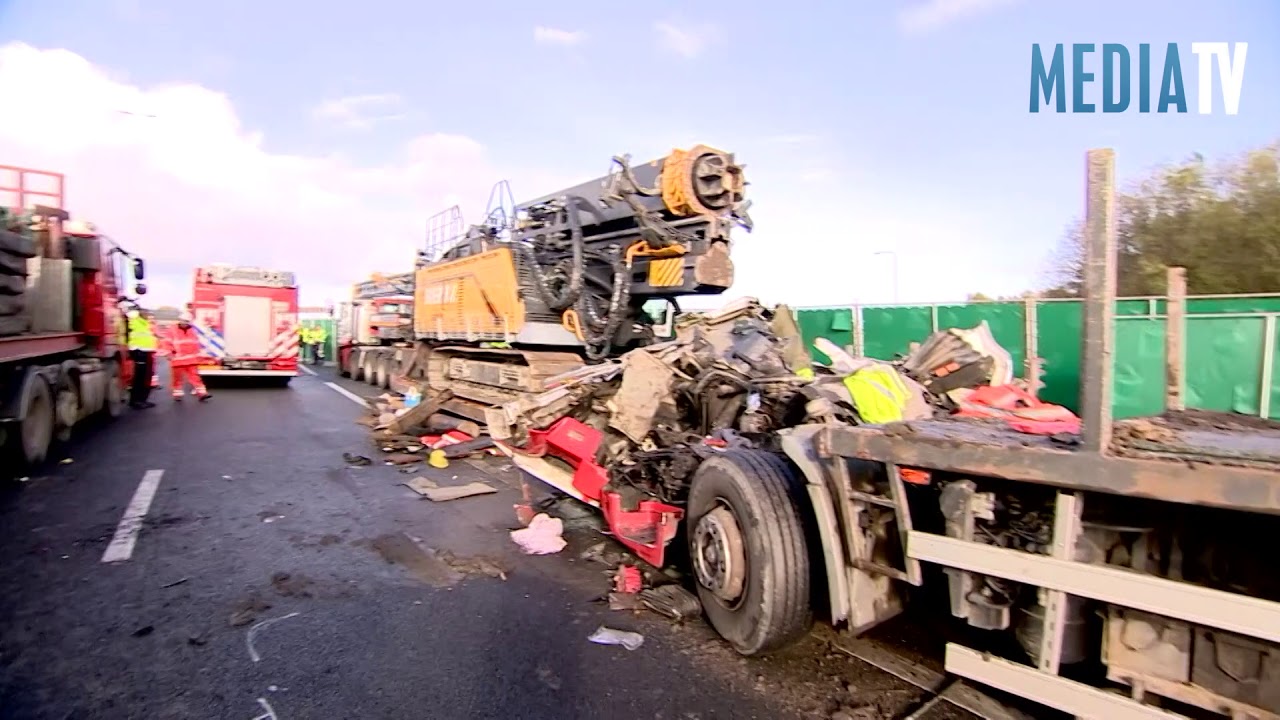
746,527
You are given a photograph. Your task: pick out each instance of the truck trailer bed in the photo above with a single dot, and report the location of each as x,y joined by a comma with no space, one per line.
1190,457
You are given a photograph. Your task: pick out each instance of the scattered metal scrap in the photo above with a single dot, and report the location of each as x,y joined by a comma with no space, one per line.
432,491
730,378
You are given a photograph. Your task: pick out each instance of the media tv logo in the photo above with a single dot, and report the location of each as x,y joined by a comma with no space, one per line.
1049,80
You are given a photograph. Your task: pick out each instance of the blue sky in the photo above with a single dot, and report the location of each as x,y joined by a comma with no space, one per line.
862,131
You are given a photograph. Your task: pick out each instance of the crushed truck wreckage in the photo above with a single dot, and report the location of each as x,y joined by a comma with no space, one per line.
634,431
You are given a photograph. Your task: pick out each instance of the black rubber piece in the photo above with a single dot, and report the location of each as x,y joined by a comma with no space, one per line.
764,492
12,264
12,304
12,284
15,244
14,325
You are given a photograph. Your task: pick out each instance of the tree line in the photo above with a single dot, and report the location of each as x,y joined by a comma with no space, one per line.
1221,221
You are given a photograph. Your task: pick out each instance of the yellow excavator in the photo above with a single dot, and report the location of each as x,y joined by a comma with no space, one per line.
543,287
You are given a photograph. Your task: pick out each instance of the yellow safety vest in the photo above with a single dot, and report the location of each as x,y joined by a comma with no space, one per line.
878,393
140,335
318,334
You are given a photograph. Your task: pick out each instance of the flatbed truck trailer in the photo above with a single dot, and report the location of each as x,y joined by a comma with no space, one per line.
63,343
1134,565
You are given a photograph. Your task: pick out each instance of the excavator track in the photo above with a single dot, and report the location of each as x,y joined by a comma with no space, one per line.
476,377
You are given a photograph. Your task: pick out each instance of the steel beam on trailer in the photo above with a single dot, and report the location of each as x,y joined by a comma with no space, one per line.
1251,617
1099,301
1175,361
1066,531
1069,696
25,347
1236,488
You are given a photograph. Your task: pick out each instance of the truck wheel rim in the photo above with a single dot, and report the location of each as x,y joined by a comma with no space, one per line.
719,554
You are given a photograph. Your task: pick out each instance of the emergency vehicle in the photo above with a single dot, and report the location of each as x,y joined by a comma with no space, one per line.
247,319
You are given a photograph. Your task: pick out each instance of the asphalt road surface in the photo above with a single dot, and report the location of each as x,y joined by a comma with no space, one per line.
268,578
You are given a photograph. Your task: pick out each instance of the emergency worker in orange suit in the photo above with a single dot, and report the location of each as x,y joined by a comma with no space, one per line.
182,345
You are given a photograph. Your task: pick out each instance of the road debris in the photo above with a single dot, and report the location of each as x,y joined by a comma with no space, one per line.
291,585
144,631
247,610
544,536
402,459
432,491
625,601
438,460
356,460
627,579
609,636
672,601
175,583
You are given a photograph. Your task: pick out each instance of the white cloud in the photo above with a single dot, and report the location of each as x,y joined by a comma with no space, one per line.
555,36
182,182
685,40
928,15
360,112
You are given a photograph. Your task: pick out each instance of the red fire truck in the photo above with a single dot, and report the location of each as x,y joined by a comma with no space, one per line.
247,319
63,355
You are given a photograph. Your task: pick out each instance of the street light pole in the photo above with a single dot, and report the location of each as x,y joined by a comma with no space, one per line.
893,256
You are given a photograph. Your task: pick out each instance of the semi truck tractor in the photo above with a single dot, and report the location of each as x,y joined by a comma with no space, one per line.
1105,568
374,326
63,347
247,319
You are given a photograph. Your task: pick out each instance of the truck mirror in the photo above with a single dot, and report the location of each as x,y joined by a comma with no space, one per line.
139,270
140,288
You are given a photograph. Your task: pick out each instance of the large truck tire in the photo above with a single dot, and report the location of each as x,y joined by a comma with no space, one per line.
14,325
33,432
114,400
12,243
748,549
384,371
368,367
11,264
355,365
12,304
12,284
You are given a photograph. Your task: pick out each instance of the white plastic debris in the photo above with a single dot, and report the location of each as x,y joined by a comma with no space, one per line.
542,537
608,636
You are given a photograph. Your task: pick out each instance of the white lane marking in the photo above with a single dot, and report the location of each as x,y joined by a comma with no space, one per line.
307,370
121,547
348,394
270,713
248,638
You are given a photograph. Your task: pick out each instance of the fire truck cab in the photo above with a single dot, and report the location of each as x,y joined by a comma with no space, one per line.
247,319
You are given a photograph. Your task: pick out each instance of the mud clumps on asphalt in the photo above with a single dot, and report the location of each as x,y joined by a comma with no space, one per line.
478,565
436,568
248,610
399,549
329,539
811,679
291,585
